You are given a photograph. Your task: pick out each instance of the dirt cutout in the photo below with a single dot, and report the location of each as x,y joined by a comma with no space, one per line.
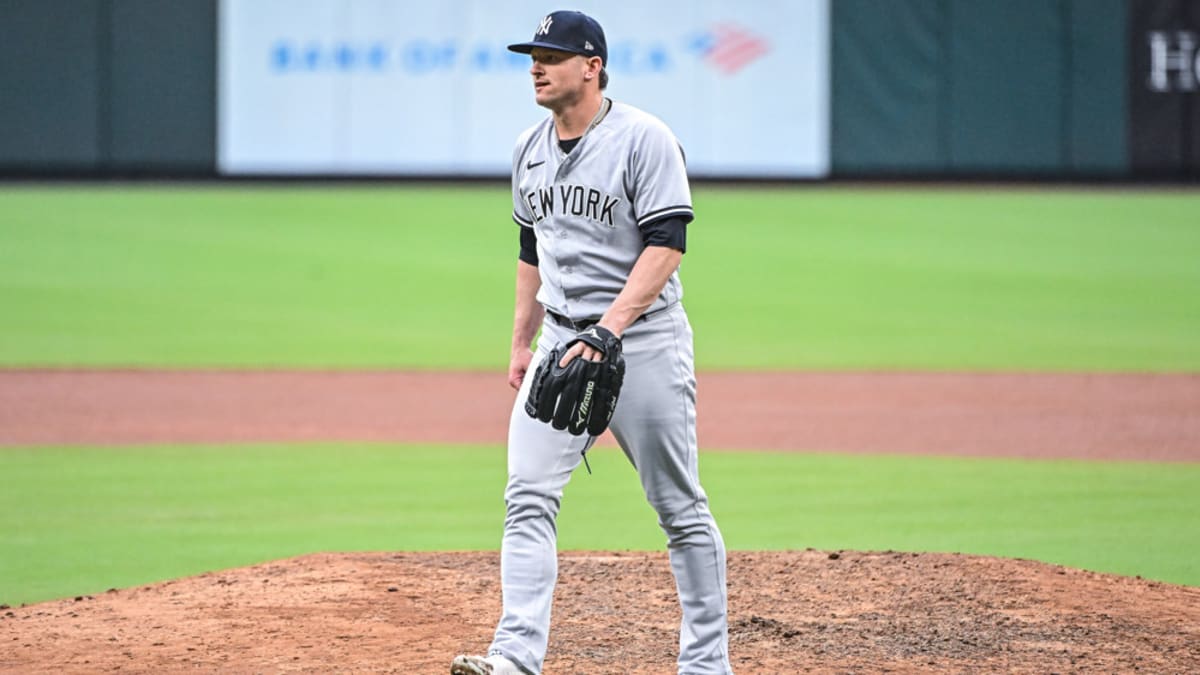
1071,416
806,611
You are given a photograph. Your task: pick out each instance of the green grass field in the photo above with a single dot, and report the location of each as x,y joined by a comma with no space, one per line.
421,277
82,520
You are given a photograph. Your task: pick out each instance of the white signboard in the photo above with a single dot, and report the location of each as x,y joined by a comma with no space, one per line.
388,87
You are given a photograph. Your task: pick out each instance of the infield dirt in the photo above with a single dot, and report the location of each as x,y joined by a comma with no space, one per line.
805,611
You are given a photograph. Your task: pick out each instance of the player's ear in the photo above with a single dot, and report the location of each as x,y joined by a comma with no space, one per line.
594,66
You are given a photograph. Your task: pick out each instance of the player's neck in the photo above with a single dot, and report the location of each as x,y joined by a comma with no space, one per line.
573,121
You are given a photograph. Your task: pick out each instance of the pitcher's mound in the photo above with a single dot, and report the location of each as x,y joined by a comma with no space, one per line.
617,613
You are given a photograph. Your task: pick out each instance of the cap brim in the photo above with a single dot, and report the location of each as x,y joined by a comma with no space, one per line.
527,47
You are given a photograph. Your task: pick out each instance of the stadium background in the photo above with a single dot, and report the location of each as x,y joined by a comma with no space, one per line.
853,88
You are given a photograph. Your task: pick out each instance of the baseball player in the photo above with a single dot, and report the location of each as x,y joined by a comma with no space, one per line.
603,202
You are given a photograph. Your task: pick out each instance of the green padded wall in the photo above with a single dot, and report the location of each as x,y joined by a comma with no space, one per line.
1006,75
1097,111
94,86
979,87
163,85
887,86
51,56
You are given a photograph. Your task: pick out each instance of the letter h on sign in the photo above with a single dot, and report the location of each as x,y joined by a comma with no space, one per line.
1174,51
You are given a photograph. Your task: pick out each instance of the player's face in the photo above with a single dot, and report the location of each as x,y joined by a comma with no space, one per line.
558,77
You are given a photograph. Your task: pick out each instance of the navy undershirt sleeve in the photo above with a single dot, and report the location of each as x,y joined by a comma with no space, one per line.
528,246
670,232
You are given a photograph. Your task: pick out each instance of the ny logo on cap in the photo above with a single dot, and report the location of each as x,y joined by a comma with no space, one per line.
544,27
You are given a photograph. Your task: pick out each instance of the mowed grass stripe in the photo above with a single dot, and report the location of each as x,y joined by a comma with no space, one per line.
81,520
422,277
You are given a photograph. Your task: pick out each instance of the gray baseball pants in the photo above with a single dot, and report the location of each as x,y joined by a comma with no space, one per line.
655,424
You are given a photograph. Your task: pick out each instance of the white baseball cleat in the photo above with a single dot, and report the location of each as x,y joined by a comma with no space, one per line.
480,665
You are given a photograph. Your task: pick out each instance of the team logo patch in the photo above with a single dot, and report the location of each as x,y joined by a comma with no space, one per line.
544,26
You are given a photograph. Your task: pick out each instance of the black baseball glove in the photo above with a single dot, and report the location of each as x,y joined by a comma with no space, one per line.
581,397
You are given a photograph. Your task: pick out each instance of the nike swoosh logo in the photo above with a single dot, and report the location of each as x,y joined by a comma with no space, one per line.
530,165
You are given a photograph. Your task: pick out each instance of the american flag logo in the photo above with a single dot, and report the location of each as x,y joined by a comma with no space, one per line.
729,48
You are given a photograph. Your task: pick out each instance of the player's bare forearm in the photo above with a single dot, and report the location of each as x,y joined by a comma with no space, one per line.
526,319
650,274
529,312
647,279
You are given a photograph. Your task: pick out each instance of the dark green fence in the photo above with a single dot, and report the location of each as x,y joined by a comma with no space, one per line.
108,86
978,87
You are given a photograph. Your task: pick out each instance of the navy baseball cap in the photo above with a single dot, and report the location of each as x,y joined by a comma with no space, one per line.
568,31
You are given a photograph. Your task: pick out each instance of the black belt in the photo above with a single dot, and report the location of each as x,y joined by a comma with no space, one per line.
577,326
584,324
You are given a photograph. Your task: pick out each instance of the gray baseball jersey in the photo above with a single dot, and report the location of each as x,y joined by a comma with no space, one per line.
587,206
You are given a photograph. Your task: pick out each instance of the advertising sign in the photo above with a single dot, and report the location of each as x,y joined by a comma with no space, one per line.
1164,87
383,87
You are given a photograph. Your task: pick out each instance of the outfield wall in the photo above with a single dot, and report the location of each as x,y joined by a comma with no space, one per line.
805,89
104,86
976,86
